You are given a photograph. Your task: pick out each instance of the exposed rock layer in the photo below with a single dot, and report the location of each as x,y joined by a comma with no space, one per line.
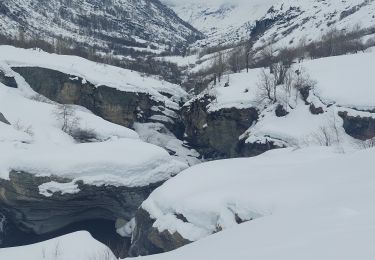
31,211
120,107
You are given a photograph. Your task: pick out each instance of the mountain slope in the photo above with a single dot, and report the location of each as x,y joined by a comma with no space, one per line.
112,24
287,21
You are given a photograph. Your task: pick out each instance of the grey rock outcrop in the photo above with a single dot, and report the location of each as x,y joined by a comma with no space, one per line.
147,240
3,119
216,134
362,128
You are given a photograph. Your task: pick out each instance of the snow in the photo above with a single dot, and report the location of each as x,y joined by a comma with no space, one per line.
96,73
118,162
49,188
35,143
77,246
223,20
346,80
342,234
341,83
303,201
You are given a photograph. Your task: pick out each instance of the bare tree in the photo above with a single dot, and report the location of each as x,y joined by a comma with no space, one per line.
266,87
328,135
67,116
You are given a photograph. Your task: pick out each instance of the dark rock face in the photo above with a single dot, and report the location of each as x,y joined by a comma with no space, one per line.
316,110
8,81
3,119
35,214
216,134
120,107
254,149
362,128
147,240
281,111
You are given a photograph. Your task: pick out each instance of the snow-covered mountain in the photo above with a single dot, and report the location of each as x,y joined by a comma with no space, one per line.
110,24
287,21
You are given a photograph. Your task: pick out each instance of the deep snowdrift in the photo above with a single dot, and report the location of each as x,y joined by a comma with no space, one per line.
311,203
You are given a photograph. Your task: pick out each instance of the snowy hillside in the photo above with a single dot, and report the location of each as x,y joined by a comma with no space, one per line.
338,87
282,21
221,21
119,24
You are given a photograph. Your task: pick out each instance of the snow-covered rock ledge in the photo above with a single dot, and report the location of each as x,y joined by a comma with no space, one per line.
109,182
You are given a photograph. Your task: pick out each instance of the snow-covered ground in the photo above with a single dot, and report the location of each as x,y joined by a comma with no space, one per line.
310,203
77,246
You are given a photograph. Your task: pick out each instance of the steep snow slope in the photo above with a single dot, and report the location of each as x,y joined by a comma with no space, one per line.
121,23
222,21
311,203
282,21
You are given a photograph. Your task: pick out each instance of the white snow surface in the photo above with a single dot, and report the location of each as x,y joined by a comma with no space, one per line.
312,203
346,80
78,246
